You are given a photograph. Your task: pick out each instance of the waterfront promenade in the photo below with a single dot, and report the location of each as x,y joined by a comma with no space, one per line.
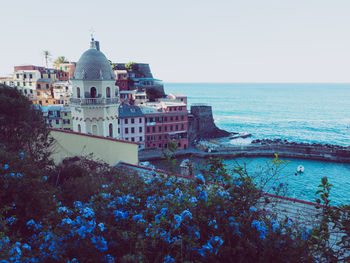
327,153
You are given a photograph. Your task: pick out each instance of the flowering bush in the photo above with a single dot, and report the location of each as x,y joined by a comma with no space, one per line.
131,218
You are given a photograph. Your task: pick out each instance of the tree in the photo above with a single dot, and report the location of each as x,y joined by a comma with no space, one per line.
131,66
60,60
114,66
22,127
47,55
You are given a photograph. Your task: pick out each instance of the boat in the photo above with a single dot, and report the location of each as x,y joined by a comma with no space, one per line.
300,169
241,135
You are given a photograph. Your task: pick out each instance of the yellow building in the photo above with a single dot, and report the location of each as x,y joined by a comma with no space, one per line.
57,117
109,150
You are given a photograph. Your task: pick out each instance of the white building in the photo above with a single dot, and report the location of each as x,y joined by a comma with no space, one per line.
95,99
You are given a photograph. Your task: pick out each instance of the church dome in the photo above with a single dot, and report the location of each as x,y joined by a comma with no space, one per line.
93,65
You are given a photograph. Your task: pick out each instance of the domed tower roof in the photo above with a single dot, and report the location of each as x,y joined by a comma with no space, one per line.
93,65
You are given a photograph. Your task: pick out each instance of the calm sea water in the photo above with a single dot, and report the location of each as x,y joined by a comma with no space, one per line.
297,112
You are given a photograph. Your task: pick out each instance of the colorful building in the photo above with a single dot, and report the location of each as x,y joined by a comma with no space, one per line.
122,79
164,122
131,124
68,68
57,117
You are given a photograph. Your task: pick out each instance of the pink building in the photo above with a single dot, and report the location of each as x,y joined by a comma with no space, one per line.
164,122
131,124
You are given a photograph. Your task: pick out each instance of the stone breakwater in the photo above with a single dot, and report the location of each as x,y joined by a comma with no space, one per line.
267,148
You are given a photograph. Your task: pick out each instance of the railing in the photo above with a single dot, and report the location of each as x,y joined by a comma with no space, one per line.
94,101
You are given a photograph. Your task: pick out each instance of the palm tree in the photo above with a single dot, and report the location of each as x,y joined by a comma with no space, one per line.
47,55
60,60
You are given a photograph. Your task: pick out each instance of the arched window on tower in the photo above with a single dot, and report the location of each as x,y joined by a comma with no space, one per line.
108,92
93,92
78,92
111,130
79,128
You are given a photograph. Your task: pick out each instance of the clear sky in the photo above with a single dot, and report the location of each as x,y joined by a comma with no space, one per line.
188,40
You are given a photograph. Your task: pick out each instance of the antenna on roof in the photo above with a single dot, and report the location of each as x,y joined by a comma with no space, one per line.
92,31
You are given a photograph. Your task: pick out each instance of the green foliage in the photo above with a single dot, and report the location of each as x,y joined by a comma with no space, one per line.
131,66
22,128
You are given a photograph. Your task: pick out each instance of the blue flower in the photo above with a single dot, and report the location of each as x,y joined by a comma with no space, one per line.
163,211
253,209
101,226
178,220
168,259
261,227
27,247
62,209
87,212
45,178
193,200
203,196
137,217
100,243
200,178
6,166
186,214
21,153
238,183
18,175
11,220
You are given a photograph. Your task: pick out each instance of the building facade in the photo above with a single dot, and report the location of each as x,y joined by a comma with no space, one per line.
165,122
95,100
131,124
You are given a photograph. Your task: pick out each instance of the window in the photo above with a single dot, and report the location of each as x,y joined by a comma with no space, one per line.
140,129
110,130
118,121
30,84
160,128
17,76
108,92
141,139
126,121
132,139
38,93
24,76
177,118
132,130
126,138
140,120
132,120
57,121
18,84
93,92
160,137
148,130
31,91
177,127
119,130
182,117
47,86
165,128
65,114
58,114
153,129
126,130
171,118
182,127
78,92
30,76
170,109
171,127
24,83
160,145
180,108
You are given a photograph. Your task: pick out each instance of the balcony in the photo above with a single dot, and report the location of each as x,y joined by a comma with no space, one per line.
94,101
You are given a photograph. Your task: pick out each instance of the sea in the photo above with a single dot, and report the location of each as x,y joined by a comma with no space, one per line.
303,112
